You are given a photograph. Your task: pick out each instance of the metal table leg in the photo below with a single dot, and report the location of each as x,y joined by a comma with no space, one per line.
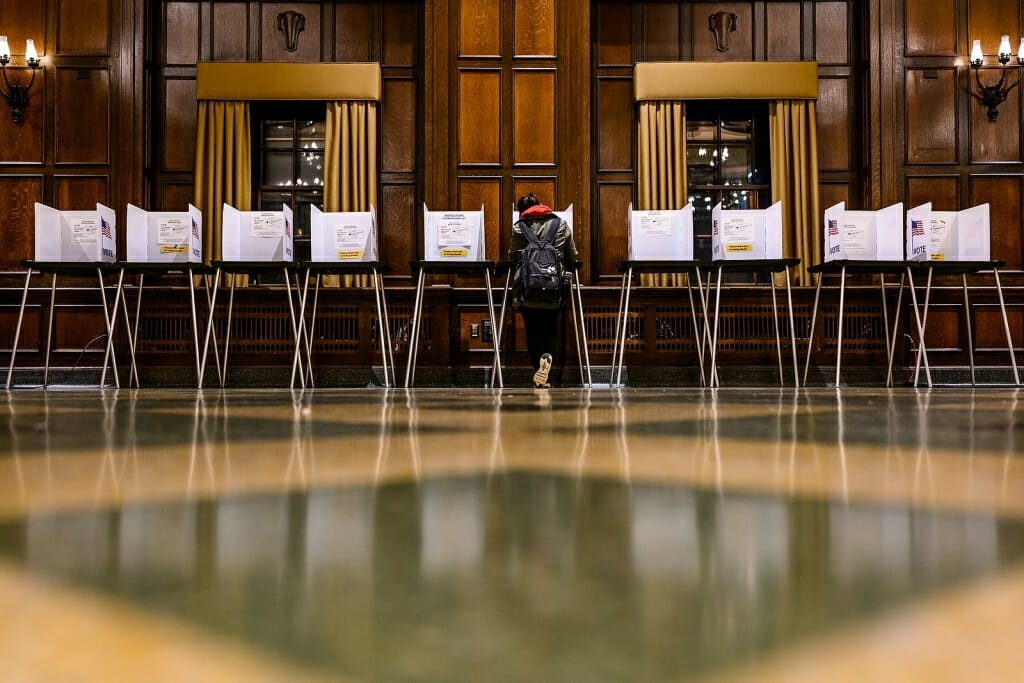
494,338
814,320
1006,327
410,368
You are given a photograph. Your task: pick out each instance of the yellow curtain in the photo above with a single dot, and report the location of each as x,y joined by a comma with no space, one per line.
223,166
662,168
794,145
350,164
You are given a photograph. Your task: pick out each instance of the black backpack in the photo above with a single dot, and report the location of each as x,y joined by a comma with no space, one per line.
540,271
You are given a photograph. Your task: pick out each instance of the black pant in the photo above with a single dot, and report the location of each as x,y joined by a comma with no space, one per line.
543,330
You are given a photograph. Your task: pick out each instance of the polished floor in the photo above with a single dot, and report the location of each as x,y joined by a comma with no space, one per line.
731,535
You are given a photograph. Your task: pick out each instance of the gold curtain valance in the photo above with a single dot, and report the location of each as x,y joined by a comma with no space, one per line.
240,81
725,81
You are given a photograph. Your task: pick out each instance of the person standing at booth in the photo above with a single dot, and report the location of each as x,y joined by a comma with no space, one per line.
541,248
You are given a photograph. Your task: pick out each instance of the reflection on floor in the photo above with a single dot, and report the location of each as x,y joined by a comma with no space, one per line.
516,535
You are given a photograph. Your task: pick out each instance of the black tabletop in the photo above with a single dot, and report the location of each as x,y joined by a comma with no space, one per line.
663,266
453,267
768,265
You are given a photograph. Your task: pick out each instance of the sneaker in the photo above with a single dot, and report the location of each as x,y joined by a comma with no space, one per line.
540,378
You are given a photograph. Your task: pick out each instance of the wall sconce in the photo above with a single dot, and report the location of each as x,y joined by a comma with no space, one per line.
992,96
17,95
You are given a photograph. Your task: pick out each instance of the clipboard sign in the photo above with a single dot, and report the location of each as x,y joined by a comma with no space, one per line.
164,236
864,235
257,235
661,235
343,235
746,234
75,236
961,235
453,235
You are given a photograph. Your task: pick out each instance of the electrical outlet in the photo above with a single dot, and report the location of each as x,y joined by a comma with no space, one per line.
474,331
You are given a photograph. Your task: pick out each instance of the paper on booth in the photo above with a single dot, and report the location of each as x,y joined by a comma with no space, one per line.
657,235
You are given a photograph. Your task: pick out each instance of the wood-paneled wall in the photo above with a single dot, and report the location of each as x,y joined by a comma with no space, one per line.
486,99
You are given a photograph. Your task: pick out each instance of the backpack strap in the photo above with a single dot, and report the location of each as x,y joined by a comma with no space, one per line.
547,237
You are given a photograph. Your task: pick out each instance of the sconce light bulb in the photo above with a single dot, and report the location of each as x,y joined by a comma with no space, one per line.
5,49
30,51
1020,53
977,56
1004,49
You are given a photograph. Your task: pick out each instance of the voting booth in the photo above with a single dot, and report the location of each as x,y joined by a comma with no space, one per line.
257,235
746,234
864,235
75,236
343,236
960,235
661,235
164,236
453,235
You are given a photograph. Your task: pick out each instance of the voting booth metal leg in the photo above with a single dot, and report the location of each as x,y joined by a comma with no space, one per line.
195,323
576,334
967,320
778,334
583,332
839,342
494,338
499,331
212,303
792,331
922,350
619,323
714,334
17,330
227,332
49,330
622,335
297,328
390,346
382,327
1006,327
705,302
299,332
814,320
895,328
131,325
311,328
696,330
414,341
110,315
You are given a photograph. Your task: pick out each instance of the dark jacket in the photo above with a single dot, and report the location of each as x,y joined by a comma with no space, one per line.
537,219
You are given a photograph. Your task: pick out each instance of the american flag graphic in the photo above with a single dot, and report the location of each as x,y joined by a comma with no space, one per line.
105,228
916,227
833,227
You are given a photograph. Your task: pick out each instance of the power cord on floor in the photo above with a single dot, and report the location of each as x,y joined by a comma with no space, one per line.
74,365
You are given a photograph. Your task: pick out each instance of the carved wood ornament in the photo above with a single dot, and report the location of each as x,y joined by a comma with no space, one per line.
722,24
291,23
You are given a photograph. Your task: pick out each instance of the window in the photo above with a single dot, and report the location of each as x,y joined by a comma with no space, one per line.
289,163
727,160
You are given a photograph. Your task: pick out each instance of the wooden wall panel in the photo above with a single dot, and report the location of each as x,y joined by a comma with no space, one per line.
399,235
398,120
81,192
353,32
400,34
615,124
931,96
831,33
611,239
783,29
479,28
83,102
476,192
534,28
83,28
944,329
941,191
995,141
273,43
830,194
175,197
987,20
179,147
989,333
543,187
22,20
182,19
1006,206
18,195
661,32
834,124
230,33
23,143
615,33
76,327
479,116
741,42
533,116
930,27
